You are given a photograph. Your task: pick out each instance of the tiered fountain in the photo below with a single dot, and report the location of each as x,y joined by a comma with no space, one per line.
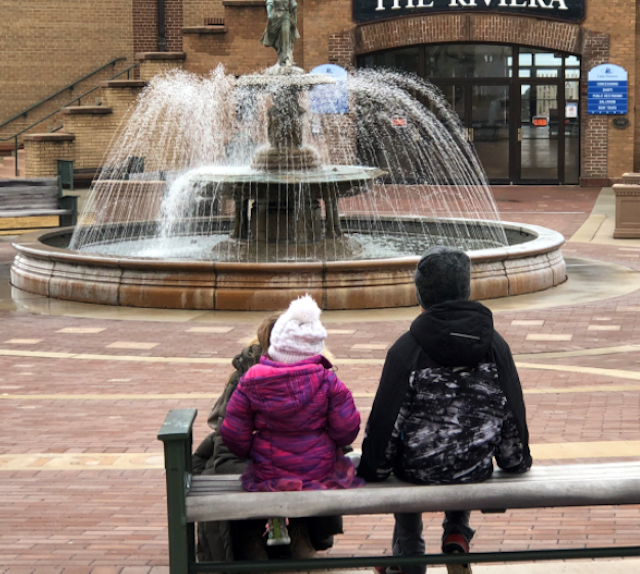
225,194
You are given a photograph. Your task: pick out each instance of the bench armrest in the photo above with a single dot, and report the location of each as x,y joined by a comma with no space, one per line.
178,425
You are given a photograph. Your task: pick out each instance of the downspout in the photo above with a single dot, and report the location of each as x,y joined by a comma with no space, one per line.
162,27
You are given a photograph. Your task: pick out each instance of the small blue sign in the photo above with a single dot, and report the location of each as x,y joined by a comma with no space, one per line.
330,98
608,90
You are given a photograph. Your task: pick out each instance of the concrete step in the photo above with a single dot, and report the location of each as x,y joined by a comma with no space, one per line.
8,167
9,163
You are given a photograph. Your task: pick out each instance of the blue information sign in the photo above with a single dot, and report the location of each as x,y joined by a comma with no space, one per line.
608,90
330,98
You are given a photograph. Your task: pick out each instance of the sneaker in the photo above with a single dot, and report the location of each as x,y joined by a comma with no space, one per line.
456,544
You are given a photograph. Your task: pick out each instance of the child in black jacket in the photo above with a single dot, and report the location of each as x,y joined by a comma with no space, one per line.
449,401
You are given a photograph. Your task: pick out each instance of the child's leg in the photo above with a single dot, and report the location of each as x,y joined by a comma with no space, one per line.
456,537
408,540
457,522
301,546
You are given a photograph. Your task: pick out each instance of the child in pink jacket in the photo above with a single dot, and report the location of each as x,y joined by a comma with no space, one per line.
290,414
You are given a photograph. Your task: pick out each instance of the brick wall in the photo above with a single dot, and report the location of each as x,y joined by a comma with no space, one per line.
42,153
145,25
197,11
593,129
617,18
636,162
174,23
47,45
467,28
341,49
239,50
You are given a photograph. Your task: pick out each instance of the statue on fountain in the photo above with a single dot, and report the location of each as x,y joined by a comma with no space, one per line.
281,34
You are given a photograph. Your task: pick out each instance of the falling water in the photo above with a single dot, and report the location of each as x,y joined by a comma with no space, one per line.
181,179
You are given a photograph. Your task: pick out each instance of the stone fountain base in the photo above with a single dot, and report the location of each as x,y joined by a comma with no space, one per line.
43,266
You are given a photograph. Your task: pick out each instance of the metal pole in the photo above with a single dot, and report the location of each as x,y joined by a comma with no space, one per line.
16,152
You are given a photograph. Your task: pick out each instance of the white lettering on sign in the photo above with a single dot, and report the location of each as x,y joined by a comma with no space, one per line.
544,4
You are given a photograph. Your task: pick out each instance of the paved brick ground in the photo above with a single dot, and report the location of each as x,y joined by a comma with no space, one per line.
94,517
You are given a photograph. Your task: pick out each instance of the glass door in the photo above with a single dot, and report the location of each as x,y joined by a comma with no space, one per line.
489,129
541,134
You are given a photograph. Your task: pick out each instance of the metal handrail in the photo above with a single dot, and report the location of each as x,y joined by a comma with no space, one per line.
24,113
15,136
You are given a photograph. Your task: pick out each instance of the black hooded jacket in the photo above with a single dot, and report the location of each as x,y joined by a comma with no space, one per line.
449,400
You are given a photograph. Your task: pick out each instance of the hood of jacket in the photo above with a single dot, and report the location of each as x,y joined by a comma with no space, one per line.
284,389
455,333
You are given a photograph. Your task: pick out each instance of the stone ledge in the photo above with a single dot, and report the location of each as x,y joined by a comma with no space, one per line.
87,110
124,84
626,189
205,30
149,56
242,3
55,137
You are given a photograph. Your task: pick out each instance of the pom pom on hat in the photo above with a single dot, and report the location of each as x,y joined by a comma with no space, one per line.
298,333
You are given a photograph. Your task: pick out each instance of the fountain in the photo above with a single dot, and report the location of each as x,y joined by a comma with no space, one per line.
224,193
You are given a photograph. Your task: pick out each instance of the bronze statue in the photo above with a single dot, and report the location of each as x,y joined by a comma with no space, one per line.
281,31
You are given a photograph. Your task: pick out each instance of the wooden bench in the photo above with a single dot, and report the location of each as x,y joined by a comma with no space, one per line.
208,498
36,197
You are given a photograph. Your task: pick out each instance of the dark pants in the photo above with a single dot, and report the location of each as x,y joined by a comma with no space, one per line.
408,540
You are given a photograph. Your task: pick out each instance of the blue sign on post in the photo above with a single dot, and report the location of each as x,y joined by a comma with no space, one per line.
608,90
330,98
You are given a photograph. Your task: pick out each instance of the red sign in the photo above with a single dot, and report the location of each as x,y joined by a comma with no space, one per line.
540,122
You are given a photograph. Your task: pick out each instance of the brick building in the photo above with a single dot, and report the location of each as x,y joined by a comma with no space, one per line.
516,71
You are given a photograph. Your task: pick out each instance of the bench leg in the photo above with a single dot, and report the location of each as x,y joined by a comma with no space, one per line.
177,461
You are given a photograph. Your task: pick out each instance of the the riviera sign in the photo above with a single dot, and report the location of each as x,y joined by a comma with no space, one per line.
369,10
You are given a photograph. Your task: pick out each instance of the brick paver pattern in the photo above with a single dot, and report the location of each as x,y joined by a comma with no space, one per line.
94,517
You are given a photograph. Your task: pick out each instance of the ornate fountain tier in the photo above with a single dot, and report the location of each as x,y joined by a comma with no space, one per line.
287,180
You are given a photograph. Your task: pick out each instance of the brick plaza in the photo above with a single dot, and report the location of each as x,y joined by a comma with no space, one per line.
84,390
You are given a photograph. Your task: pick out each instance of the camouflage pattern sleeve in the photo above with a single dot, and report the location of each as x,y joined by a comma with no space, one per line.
510,454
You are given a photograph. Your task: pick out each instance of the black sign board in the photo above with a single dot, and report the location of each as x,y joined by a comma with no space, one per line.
372,10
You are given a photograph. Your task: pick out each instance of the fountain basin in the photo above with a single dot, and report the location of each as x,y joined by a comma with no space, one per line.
532,262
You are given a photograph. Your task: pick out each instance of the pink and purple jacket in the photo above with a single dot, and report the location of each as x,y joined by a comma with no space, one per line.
290,420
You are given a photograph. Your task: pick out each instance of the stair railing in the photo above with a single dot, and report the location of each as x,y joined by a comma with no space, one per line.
77,99
24,113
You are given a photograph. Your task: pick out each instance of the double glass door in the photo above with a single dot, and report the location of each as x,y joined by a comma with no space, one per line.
518,104
522,132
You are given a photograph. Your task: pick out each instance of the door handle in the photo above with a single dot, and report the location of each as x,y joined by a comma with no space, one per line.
471,134
520,134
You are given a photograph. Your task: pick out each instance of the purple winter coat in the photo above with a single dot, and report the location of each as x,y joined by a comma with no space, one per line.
290,420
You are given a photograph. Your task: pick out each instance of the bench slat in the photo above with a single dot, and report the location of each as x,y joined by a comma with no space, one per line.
550,486
33,212
31,182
